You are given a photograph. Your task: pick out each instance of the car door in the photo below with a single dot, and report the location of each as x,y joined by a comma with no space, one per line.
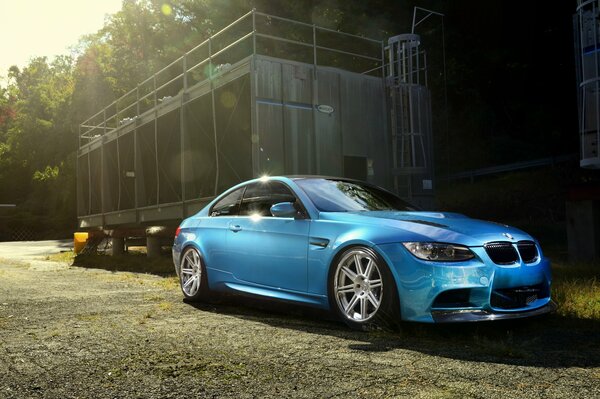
212,230
267,250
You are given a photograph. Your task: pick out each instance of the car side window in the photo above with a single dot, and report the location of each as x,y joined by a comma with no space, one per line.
260,196
281,193
228,205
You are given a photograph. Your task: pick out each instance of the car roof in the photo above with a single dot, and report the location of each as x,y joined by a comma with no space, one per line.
300,177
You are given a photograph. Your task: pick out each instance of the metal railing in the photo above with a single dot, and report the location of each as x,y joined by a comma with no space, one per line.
251,34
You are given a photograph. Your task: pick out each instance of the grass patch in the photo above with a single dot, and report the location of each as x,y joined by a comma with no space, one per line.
154,298
14,263
167,283
63,257
89,317
576,289
145,317
165,306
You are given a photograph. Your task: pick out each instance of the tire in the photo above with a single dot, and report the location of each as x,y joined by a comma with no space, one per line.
192,276
362,291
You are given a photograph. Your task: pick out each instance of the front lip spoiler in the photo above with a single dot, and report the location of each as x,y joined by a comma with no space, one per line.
459,316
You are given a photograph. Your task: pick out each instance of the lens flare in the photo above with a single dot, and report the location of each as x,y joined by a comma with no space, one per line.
227,99
166,9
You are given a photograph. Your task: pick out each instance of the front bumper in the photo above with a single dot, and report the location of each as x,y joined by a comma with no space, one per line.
422,284
468,315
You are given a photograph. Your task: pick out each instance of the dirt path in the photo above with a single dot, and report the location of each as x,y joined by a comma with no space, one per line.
72,332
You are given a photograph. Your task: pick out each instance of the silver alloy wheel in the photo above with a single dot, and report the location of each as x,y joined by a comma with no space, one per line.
191,272
358,286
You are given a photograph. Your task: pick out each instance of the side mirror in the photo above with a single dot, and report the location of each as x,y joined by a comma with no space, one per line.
284,210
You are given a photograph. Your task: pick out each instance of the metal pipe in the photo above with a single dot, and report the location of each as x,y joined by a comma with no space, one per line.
231,24
120,174
154,90
596,94
135,168
254,31
156,157
318,27
169,82
214,116
102,209
314,47
582,88
204,43
182,137
89,183
585,3
348,34
414,25
232,44
280,39
262,14
315,102
348,53
97,127
374,69
198,65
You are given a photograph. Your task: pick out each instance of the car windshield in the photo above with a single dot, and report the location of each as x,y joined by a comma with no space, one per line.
331,195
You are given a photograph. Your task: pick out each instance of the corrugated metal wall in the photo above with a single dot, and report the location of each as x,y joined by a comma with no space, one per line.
271,117
295,137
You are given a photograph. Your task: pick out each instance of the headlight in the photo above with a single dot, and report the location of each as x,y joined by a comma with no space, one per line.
438,251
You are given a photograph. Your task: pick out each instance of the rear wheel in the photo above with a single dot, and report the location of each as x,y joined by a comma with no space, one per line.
362,290
192,276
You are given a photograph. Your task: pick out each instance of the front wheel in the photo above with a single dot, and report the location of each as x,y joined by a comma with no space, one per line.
192,276
362,290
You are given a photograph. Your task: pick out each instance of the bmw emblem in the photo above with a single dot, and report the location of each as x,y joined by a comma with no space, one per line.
507,235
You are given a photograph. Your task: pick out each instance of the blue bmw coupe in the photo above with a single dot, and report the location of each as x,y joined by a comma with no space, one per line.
360,251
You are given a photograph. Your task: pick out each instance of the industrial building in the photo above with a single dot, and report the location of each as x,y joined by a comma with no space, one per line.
265,95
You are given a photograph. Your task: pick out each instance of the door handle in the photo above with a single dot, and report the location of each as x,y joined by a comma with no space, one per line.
235,227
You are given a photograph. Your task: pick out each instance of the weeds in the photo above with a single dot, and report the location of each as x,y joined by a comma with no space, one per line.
167,283
166,306
63,257
576,289
154,298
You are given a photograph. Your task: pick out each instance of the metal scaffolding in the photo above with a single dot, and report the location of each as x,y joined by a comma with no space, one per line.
587,44
410,111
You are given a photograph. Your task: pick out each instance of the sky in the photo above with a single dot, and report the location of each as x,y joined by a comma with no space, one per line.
31,28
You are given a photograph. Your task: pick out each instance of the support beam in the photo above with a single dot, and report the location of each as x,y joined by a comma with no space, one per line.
118,246
153,246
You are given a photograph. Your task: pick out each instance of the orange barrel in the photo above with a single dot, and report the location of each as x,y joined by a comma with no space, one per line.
79,241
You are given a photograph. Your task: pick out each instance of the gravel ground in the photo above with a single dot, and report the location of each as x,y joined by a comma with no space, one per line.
75,332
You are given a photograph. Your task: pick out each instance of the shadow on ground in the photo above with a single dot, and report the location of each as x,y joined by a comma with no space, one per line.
551,341
132,262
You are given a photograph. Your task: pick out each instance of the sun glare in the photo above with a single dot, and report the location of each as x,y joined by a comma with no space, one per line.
166,9
30,28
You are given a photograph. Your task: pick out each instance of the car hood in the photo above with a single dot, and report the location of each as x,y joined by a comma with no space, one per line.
430,226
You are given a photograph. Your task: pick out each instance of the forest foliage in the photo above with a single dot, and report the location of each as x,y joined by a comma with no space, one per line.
43,103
